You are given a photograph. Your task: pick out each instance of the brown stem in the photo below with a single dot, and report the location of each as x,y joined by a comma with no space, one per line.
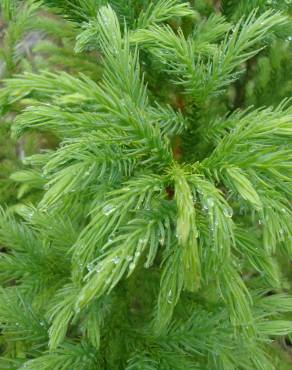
240,86
20,151
217,5
177,149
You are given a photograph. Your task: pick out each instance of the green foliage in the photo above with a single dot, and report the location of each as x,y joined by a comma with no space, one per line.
29,34
235,9
165,208
204,79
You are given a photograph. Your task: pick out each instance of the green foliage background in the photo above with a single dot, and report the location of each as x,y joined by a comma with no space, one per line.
146,188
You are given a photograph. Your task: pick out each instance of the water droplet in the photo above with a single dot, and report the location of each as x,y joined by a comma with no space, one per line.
169,297
108,209
142,242
260,222
284,210
228,212
161,241
129,258
98,267
116,260
111,238
90,267
114,50
87,173
30,215
210,202
42,323
17,323
104,19
132,266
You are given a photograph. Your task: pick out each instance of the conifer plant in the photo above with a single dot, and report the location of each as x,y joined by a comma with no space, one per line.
31,38
161,238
